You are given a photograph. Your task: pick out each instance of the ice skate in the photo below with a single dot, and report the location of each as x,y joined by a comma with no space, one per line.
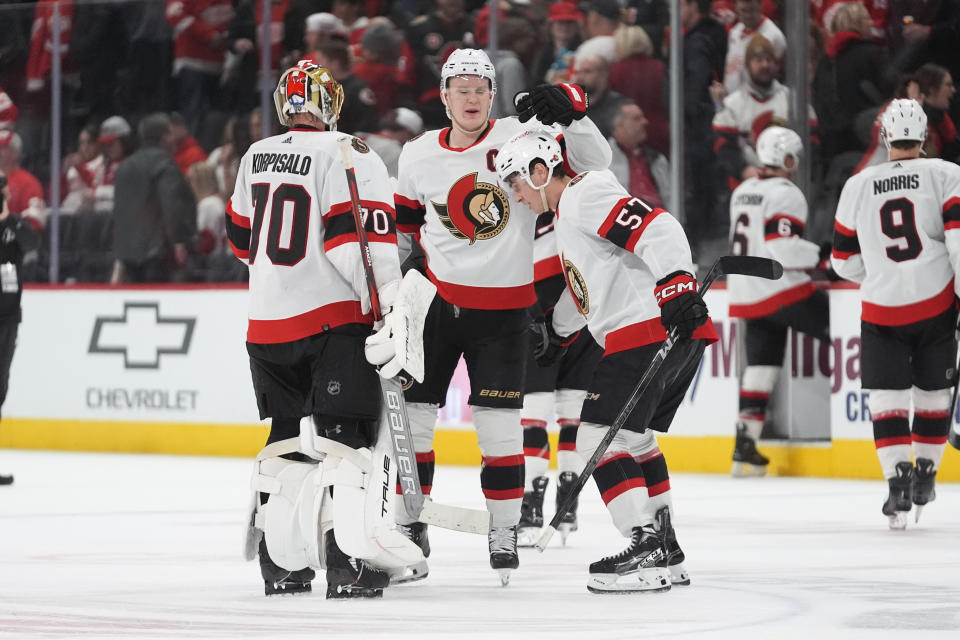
899,500
923,490
531,513
348,577
635,569
417,533
6,479
280,581
568,523
747,461
503,551
675,557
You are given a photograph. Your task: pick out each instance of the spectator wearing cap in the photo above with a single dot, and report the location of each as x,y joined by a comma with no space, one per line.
762,102
510,62
593,74
638,76
399,126
639,168
186,151
751,22
554,60
432,38
360,103
603,18
380,48
154,212
26,192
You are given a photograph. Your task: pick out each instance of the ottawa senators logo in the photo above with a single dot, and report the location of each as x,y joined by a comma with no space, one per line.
474,210
578,178
359,145
577,286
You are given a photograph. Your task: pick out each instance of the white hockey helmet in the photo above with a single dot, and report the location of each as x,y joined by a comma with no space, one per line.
517,155
776,144
903,119
308,88
468,62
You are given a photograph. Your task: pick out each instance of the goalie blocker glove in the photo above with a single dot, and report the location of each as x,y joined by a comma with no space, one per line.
562,103
681,306
549,346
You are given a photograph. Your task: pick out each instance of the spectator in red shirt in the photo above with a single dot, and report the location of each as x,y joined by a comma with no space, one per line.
8,111
639,76
380,49
187,151
641,169
26,192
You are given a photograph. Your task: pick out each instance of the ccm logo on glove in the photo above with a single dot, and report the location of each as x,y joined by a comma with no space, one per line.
679,284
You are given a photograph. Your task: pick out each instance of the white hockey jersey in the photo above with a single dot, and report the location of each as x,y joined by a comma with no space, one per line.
614,249
735,72
897,232
767,218
477,241
546,257
290,219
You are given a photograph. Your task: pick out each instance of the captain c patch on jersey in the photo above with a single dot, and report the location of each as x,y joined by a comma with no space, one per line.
474,210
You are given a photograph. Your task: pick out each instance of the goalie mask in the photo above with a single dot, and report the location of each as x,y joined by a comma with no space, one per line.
308,88
519,153
903,119
776,144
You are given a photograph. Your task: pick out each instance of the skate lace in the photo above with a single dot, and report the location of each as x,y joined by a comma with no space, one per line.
630,550
502,539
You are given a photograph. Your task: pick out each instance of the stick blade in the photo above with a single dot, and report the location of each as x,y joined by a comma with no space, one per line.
754,266
455,518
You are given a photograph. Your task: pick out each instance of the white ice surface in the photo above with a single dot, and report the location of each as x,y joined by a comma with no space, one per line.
111,546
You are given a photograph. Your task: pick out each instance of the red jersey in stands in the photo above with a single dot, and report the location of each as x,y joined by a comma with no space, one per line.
290,219
767,219
197,25
897,233
614,249
477,241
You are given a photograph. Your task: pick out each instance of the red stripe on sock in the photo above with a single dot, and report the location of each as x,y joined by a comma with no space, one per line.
892,442
503,461
660,487
566,446
933,414
929,439
756,395
531,452
503,494
650,455
892,413
620,488
424,487
429,456
531,423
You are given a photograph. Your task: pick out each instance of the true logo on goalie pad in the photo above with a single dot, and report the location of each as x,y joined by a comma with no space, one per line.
474,210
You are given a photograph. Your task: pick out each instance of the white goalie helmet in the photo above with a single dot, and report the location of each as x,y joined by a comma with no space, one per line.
776,144
903,119
521,150
468,62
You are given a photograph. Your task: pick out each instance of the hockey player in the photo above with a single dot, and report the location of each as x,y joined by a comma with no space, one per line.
628,272
897,233
767,217
323,475
479,254
556,383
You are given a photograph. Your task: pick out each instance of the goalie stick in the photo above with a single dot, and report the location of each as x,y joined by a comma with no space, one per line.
394,410
725,265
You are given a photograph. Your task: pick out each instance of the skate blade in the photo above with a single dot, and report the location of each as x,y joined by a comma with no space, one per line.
916,514
646,581
565,529
290,589
345,592
411,573
528,536
504,576
747,470
898,521
679,575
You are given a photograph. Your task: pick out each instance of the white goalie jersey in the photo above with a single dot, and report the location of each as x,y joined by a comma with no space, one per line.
897,233
767,219
614,248
291,220
477,241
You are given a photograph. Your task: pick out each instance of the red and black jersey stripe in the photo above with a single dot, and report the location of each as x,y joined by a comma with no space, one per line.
780,225
501,477
845,242
238,232
410,214
340,227
951,213
627,221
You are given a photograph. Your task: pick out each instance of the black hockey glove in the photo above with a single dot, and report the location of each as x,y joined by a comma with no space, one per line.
681,306
548,346
562,103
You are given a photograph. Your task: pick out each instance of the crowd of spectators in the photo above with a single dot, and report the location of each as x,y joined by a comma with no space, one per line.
193,69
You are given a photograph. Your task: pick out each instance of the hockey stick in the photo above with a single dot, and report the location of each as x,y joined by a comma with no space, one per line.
725,265
394,410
